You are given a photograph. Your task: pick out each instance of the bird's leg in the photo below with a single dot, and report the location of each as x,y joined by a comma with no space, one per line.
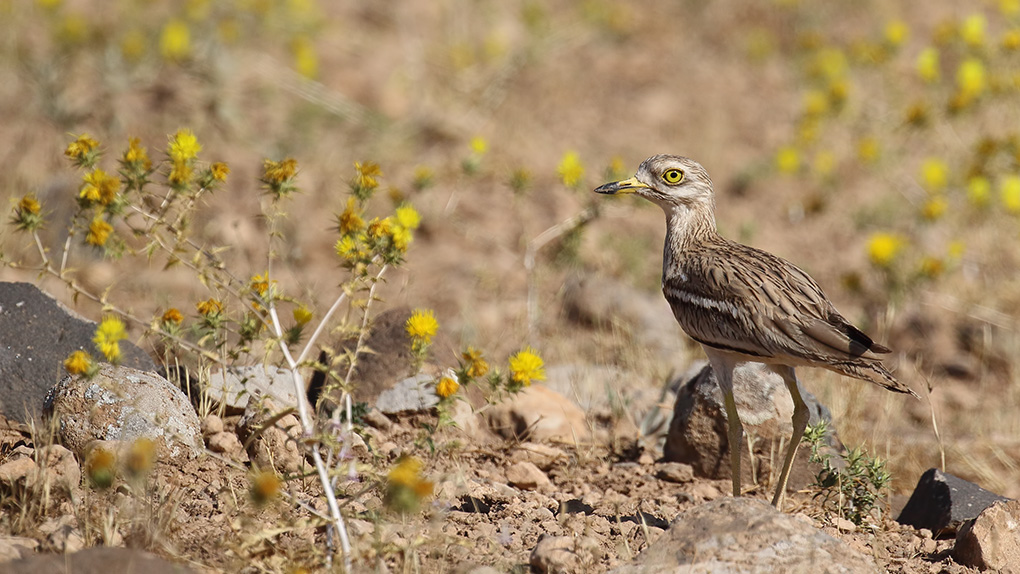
736,432
722,366
800,421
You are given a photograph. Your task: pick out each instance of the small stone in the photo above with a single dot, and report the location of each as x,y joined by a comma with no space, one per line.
557,554
18,470
539,414
674,472
377,419
844,525
541,455
526,476
226,443
992,540
211,425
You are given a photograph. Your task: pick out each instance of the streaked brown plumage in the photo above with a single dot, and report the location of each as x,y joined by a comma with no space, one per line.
744,304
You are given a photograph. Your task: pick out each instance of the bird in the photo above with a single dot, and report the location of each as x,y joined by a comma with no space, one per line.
743,304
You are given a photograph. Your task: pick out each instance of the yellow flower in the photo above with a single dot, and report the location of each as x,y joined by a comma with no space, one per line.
82,150
140,456
175,41
180,174
101,466
979,191
219,171
571,169
136,154
184,146
265,486
78,363
1009,8
27,213
302,315
351,247
407,216
408,473
280,171
350,220
824,163
172,316
132,45
934,208
99,187
1010,193
379,228
526,366
447,387
934,174
306,60
401,236
108,334
830,63
422,325
366,177
867,149
423,177
896,33
972,31
479,146
931,267
788,159
970,78
883,248
99,232
209,307
928,67
956,249
1011,40
474,364
816,103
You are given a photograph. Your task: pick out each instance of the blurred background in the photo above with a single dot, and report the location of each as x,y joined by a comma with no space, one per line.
873,144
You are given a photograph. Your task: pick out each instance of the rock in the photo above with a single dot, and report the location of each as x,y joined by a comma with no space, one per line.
526,476
226,443
232,387
468,421
61,469
942,502
605,302
385,358
211,425
36,334
992,540
95,561
698,431
18,471
273,446
538,414
674,472
408,395
376,419
15,547
121,403
62,534
744,535
555,554
542,456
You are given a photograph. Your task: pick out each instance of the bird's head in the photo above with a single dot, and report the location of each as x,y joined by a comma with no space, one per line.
668,180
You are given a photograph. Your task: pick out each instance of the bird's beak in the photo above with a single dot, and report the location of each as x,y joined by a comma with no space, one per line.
626,186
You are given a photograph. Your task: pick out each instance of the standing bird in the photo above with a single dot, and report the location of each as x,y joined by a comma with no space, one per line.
745,305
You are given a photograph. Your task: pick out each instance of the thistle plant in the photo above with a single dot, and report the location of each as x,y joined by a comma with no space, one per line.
143,209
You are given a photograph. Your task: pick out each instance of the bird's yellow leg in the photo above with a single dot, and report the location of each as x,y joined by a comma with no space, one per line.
800,421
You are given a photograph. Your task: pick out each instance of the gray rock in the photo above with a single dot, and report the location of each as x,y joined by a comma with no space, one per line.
942,502
233,386
554,554
95,561
992,540
415,393
698,435
125,404
746,536
36,334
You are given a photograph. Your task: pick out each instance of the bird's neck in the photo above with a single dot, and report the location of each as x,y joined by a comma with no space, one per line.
688,226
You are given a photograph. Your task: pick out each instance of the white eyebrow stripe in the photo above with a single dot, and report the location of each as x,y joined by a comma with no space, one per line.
703,302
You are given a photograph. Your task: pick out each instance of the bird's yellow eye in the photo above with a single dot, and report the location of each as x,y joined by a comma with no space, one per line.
672,176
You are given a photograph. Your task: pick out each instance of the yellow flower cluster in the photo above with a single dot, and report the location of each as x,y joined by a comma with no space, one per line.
278,177
99,231
98,188
209,307
183,151
27,214
422,326
406,485
108,336
447,387
474,364
526,367
78,363
84,150
265,486
571,169
883,248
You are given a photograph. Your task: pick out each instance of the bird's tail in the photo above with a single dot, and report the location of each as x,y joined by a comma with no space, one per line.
874,372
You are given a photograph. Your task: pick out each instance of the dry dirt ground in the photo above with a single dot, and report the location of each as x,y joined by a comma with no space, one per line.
410,84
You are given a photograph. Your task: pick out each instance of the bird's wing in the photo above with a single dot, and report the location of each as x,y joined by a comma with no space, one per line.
743,299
